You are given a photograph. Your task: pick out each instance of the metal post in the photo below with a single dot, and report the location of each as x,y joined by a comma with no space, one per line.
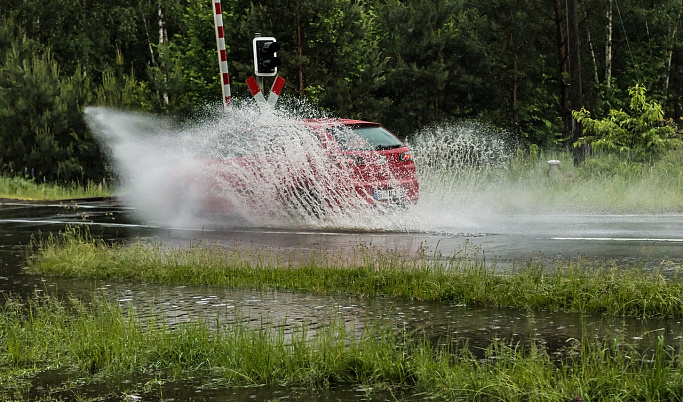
259,80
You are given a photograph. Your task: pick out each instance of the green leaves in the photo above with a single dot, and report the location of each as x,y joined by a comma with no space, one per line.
41,124
641,133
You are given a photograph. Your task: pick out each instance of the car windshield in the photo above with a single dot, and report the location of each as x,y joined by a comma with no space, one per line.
364,138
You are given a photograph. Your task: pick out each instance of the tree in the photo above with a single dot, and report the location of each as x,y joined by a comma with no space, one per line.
41,115
642,133
192,49
436,64
124,91
328,51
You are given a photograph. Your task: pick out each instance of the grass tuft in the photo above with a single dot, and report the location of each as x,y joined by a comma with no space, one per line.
97,341
576,285
25,189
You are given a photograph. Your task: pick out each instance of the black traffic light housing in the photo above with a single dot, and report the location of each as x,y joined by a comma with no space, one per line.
265,56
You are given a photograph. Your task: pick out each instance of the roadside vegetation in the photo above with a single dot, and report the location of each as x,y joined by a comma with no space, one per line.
608,183
464,278
28,189
631,164
98,342
605,183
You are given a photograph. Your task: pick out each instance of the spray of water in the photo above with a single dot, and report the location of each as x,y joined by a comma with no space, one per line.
455,162
195,175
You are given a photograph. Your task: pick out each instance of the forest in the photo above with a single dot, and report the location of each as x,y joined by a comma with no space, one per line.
538,69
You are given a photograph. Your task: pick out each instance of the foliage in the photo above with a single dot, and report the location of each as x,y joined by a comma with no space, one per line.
41,115
642,133
193,51
419,42
41,118
123,91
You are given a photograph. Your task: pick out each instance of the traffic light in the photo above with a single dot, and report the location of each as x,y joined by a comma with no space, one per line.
265,56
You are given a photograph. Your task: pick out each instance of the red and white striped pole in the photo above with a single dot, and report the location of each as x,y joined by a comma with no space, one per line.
222,54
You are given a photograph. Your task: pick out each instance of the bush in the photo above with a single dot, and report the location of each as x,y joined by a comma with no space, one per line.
41,115
642,133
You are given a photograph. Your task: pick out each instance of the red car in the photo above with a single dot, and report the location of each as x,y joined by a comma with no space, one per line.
315,166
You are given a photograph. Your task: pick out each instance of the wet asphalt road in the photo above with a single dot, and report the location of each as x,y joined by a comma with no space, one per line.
654,240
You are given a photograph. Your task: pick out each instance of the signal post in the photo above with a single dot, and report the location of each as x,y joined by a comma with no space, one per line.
266,63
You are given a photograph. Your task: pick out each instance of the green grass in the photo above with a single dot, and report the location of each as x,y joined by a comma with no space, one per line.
19,188
97,341
579,285
606,184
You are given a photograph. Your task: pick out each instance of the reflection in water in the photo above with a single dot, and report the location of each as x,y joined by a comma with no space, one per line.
437,321
150,388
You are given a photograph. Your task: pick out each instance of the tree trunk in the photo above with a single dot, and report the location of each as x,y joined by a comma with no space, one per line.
565,112
596,78
672,37
515,84
575,92
668,65
149,41
608,45
163,38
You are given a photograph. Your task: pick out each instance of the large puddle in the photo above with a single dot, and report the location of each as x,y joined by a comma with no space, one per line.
20,221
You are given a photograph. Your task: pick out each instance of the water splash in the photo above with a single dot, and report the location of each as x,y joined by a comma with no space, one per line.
455,164
169,174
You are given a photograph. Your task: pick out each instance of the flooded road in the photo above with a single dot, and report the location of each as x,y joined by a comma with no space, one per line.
648,239
654,240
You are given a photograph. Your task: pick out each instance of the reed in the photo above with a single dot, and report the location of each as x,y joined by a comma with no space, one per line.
98,341
465,278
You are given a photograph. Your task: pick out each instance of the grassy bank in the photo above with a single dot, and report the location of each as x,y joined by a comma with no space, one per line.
98,341
19,188
606,184
580,286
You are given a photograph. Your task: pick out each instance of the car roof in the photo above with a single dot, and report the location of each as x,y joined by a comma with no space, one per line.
338,122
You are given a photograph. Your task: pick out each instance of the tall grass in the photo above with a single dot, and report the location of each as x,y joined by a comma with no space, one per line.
98,340
20,188
608,183
465,278
604,184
